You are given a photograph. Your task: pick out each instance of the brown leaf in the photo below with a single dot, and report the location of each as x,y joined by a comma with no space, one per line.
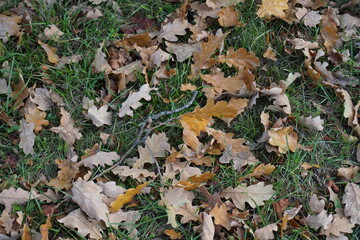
280,206
173,234
27,137
312,18
222,217
321,220
136,173
329,31
284,138
203,10
36,117
94,14
6,221
50,51
351,200
88,196
182,50
312,123
99,159
100,116
20,92
133,100
171,29
26,232
270,54
208,228
100,64
77,220
19,196
266,232
67,173
262,170
299,43
195,181
272,7
228,17
349,173
338,226
188,86
45,99
44,229
126,197
240,59
9,26
52,33
313,4
316,204
68,59
255,194
221,84
222,3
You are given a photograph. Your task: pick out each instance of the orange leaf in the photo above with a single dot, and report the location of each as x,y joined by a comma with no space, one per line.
37,117
172,234
228,17
240,59
50,51
285,138
26,235
222,217
262,170
195,181
122,199
44,229
272,7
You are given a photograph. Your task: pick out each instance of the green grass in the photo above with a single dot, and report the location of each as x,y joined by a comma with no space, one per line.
75,81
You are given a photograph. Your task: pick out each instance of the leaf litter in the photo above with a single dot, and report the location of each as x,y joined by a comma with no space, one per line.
188,172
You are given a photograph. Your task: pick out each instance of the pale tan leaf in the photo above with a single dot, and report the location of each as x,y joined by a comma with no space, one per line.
188,86
53,33
222,3
312,123
97,2
66,130
88,196
36,117
300,43
111,190
94,14
99,159
48,196
45,99
228,17
27,137
50,51
265,119
156,145
6,221
100,64
316,204
171,29
68,59
208,228
284,138
270,54
68,171
266,232
188,212
158,57
77,220
133,100
182,50
349,173
255,194
338,226
203,10
222,217
262,170
100,116
4,88
329,29
312,18
351,200
19,196
44,228
272,7
321,220
9,26
301,12
135,173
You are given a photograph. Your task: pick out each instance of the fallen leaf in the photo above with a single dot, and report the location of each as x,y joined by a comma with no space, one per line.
203,10
222,217
262,170
313,4
50,51
220,83
52,33
44,228
27,137
100,64
111,190
99,159
349,173
182,50
316,204
266,232
77,220
280,206
36,117
270,54
20,92
300,43
284,138
272,7
100,116
351,200
66,175
255,194
188,86
208,228
228,17
45,99
133,100
222,3
195,181
338,226
136,173
312,123
68,59
94,14
126,197
173,234
88,196
10,26
26,232
12,195
322,220
66,129
171,29
329,31
239,59
312,18
6,221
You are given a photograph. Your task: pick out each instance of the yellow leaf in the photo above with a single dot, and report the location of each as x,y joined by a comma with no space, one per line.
50,51
37,117
195,181
285,138
44,229
173,234
122,199
26,235
272,7
263,170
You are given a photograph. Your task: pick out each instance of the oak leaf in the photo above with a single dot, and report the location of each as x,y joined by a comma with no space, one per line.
100,64
45,98
27,137
36,117
262,170
182,50
173,234
300,43
188,86
208,228
77,220
338,226
20,92
50,51
68,59
221,84
110,189
133,100
203,10
284,138
321,220
222,217
126,197
66,130
329,30
67,173
44,228
222,3
273,7
19,196
100,116
6,221
351,200
316,204
255,194
99,159
228,17
195,181
312,123
171,29
349,173
270,54
53,33
313,4
312,18
9,26
266,232
239,59
88,196
136,173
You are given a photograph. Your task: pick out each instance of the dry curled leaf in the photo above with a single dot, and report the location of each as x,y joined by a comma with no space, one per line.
273,7
222,217
208,228
126,197
10,26
284,138
12,195
100,159
53,33
50,51
27,137
351,200
266,232
36,117
66,174
100,116
228,17
312,123
321,220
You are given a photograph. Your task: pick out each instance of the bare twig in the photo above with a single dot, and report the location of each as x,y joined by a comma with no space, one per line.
139,138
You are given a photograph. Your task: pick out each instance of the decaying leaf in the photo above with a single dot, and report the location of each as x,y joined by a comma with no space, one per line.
316,205
272,7
270,54
27,137
66,130
173,234
36,117
45,99
255,194
329,30
126,197
53,33
312,123
208,228
222,217
136,173
228,17
195,181
240,58
68,170
133,100
171,29
50,51
100,64
351,200
182,50
262,170
338,226
12,195
100,116
20,92
312,18
321,220
44,228
77,220
100,159
266,232
9,26
284,138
